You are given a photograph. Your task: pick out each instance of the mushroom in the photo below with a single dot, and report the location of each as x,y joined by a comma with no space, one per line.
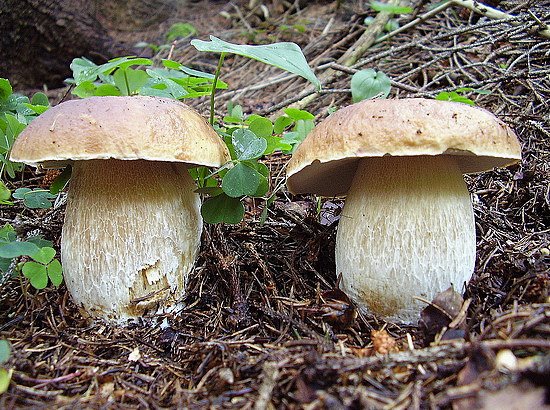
132,222
407,229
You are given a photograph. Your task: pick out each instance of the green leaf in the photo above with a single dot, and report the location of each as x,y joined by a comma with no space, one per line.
36,198
5,194
5,351
37,109
222,208
104,90
389,8
40,98
235,111
261,127
297,114
5,377
61,180
259,166
241,180
183,30
129,81
282,123
36,274
156,91
85,89
10,167
5,89
7,234
5,143
454,97
368,83
162,78
55,272
247,145
18,248
286,56
14,127
44,255
123,63
39,241
263,187
263,170
276,143
5,264
300,132
174,65
83,70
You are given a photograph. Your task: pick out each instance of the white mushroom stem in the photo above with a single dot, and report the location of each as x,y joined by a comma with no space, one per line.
131,233
407,230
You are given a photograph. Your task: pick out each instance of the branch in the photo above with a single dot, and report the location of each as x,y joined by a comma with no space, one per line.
492,13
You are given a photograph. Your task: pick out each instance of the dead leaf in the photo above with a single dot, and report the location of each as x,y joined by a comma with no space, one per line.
135,355
434,318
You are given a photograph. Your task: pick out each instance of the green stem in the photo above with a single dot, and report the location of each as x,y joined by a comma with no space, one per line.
214,85
127,83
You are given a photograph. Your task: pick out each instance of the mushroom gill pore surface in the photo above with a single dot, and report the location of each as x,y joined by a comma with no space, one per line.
131,233
407,230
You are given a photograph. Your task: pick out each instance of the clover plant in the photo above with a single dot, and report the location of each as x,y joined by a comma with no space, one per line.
42,269
248,138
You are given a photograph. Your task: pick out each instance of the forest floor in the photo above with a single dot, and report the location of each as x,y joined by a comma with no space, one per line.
259,329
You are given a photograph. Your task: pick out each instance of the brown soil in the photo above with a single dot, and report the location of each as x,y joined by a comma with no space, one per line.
262,325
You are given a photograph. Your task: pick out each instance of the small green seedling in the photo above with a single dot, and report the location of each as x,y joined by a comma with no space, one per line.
369,83
457,95
43,268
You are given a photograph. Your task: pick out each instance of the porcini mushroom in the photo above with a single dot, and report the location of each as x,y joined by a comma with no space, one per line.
132,222
407,228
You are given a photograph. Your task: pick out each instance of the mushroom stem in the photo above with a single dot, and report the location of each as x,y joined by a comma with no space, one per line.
407,230
130,237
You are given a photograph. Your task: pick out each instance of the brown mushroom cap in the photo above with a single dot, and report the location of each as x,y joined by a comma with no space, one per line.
326,161
127,128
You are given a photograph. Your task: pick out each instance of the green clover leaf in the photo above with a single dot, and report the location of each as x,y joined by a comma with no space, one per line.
247,145
222,208
36,273
34,198
44,255
55,272
241,180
